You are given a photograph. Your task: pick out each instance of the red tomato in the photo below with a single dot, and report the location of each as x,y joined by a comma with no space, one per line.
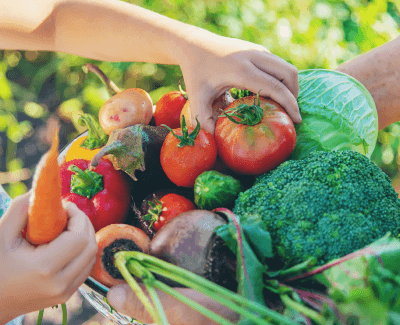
168,109
254,150
172,206
183,164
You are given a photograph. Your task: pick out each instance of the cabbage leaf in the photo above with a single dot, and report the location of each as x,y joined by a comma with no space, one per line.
338,113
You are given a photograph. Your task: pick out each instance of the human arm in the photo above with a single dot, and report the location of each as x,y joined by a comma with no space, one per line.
379,71
112,30
34,278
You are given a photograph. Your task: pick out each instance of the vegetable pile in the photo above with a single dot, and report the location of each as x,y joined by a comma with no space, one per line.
312,215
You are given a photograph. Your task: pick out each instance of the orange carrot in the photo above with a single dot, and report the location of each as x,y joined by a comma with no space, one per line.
46,216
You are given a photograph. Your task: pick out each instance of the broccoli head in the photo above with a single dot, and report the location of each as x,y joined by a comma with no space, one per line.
326,205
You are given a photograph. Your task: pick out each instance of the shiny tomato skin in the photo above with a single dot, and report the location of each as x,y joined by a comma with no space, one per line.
168,109
183,165
254,150
172,206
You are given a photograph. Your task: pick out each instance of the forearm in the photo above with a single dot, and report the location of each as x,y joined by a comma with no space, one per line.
108,30
379,71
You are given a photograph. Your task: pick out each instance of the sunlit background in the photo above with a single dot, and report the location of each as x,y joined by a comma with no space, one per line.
306,33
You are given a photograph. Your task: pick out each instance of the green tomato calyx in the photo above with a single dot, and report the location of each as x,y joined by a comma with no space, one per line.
186,138
245,114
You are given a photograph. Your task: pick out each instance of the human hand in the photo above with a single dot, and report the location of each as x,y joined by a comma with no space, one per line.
34,278
214,64
124,300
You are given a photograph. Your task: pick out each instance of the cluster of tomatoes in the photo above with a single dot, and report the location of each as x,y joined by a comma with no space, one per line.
252,136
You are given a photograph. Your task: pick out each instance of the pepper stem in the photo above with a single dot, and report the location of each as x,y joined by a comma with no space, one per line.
86,183
186,138
245,114
97,137
112,88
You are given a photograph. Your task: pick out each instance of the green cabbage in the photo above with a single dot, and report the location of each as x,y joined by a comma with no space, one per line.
338,113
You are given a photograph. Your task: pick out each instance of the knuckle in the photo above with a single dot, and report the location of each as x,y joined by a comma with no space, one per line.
60,291
276,86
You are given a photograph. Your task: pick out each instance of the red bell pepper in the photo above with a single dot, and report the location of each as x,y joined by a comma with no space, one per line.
103,192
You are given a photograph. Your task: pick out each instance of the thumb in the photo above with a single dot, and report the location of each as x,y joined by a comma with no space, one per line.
15,218
202,109
124,300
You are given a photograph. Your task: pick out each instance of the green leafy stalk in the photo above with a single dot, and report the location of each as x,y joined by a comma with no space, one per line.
196,306
64,314
40,317
186,138
148,279
290,303
96,138
120,263
216,292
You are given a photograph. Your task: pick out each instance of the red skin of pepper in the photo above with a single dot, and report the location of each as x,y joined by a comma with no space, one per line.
109,206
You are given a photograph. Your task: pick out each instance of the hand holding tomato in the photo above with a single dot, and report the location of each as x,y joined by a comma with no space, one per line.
186,153
253,138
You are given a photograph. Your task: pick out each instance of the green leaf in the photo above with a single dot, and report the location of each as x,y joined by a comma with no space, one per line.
255,269
338,113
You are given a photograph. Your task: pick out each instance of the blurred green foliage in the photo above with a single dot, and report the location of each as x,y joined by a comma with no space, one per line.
306,33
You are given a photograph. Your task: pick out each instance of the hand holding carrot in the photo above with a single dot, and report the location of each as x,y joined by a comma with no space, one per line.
34,278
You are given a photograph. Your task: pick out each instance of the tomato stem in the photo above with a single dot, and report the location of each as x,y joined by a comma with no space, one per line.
85,182
245,114
186,138
155,211
96,136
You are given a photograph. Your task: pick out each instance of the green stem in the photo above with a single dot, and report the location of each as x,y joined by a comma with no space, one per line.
303,309
148,279
40,317
153,214
196,306
120,263
184,93
233,305
157,303
64,314
96,138
245,114
202,285
186,138
85,182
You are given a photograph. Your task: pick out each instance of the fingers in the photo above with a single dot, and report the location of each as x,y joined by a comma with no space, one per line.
77,240
203,111
278,68
124,300
269,86
15,218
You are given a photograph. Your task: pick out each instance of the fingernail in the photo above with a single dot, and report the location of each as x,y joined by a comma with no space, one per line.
116,297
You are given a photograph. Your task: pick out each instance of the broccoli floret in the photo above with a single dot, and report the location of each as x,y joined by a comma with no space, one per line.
326,205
